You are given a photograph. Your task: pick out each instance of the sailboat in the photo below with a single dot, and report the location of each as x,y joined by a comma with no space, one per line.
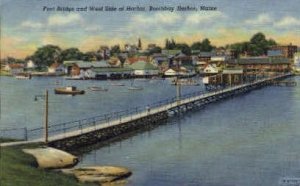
132,87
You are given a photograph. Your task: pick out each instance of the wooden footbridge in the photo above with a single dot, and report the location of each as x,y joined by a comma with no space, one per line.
92,130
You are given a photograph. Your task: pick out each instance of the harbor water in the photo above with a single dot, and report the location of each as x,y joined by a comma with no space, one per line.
251,139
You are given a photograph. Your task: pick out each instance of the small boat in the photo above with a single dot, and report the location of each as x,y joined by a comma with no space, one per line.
23,76
97,89
132,87
117,84
135,88
68,90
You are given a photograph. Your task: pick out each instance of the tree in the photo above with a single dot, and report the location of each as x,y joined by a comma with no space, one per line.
170,45
71,54
115,49
196,46
154,50
259,44
46,55
206,46
122,60
183,47
89,56
167,44
139,44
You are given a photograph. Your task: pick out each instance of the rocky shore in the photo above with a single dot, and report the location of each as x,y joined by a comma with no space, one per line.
58,160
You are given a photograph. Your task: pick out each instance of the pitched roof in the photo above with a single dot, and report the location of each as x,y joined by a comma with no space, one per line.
132,60
16,65
142,65
263,60
86,64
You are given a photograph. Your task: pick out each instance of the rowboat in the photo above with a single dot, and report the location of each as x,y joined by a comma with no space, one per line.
68,90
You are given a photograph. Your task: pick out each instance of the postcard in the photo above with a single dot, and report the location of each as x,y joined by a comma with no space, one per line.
149,92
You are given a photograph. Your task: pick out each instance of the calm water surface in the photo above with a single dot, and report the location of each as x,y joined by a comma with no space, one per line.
251,140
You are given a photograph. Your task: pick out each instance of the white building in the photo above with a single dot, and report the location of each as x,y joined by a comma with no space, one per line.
297,61
56,69
30,64
143,68
211,69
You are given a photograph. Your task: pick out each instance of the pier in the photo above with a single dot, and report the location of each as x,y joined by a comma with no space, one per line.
87,131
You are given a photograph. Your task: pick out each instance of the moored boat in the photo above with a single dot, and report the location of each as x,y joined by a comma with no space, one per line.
68,90
97,89
117,84
23,76
135,88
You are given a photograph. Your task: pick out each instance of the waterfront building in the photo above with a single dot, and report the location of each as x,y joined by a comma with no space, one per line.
262,65
14,68
97,70
56,69
181,71
275,53
297,61
144,69
288,51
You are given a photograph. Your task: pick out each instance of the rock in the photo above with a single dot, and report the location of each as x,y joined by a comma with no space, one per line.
51,158
100,174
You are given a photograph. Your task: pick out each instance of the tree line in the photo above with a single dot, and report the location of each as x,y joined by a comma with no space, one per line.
46,55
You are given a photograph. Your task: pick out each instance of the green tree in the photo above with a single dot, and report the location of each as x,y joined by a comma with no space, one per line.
115,50
139,43
196,46
183,47
154,50
259,44
71,54
46,55
206,46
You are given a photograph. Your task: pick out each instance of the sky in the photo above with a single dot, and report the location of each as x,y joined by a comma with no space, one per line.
27,25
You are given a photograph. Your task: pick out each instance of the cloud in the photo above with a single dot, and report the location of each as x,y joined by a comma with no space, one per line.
261,19
288,21
31,24
197,18
61,20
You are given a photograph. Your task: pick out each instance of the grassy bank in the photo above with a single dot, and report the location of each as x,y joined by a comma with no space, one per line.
19,169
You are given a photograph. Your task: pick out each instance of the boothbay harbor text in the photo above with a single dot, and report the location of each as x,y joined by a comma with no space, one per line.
128,8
